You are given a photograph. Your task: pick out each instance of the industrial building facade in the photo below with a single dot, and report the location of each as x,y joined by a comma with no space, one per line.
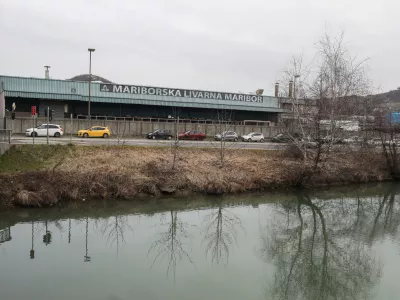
66,97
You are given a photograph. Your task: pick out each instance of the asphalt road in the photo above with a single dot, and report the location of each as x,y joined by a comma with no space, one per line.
143,142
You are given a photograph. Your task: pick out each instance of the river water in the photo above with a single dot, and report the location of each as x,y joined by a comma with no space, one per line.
336,244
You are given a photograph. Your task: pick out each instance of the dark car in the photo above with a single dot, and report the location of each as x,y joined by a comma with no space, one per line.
281,138
192,135
163,134
286,138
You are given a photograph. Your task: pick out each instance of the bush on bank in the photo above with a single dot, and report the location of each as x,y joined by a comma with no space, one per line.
46,175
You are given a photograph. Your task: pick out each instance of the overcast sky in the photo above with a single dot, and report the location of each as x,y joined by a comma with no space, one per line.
223,45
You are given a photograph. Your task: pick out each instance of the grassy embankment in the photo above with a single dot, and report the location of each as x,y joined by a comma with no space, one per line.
44,175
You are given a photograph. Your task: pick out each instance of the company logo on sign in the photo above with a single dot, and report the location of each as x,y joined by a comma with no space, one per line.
104,88
144,90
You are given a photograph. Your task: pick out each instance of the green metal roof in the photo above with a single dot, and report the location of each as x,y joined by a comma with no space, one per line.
78,91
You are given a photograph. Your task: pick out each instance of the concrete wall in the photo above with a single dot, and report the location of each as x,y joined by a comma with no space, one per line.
4,147
5,136
138,128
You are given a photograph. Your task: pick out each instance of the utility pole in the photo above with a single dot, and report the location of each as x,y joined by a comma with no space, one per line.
33,129
90,76
48,114
71,131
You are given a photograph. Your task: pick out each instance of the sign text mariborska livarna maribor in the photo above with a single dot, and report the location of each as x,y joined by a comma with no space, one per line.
146,90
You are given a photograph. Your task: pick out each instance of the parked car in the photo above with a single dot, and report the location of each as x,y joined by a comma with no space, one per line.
163,134
281,138
95,131
253,137
395,142
54,130
352,140
192,135
329,139
227,136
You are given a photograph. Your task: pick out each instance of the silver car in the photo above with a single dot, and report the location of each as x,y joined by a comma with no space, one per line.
227,136
253,137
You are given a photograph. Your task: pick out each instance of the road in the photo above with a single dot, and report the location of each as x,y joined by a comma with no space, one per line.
143,142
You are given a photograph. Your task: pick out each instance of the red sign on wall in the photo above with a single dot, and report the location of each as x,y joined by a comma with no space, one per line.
33,110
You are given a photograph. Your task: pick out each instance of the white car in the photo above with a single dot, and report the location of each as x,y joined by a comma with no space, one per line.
54,130
253,137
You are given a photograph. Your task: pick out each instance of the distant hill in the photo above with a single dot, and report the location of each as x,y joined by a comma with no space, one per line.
389,99
85,77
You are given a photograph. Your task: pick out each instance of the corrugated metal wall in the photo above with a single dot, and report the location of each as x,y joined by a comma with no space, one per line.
71,90
57,107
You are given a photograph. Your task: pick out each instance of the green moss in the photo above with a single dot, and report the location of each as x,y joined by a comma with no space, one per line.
31,158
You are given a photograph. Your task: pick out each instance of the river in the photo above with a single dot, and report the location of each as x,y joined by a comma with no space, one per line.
334,244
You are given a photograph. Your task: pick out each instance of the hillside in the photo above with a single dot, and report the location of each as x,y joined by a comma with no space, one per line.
389,99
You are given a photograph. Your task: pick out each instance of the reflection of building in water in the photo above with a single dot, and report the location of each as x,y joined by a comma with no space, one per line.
5,235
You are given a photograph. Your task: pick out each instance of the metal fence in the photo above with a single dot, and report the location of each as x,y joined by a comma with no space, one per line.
5,136
174,120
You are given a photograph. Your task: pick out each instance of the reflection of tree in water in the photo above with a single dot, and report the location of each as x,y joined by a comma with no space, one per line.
386,221
171,242
315,258
113,229
370,218
220,233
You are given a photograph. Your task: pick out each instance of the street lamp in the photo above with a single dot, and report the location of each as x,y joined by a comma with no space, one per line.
90,76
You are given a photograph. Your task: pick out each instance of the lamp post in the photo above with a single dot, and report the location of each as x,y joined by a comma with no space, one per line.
90,76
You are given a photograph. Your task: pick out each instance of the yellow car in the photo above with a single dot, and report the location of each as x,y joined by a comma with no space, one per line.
95,131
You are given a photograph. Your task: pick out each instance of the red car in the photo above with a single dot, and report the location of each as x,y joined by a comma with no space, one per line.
192,135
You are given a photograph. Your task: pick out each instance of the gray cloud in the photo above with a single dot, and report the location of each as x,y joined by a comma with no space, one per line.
214,45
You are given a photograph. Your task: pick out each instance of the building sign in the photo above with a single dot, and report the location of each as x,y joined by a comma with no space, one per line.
156,91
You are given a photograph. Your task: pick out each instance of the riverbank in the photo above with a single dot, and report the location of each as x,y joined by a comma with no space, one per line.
46,175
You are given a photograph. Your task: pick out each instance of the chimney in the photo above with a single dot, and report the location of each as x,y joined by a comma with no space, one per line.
277,89
291,89
47,72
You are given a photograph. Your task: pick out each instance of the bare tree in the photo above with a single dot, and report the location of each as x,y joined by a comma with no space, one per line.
224,127
121,135
328,96
176,143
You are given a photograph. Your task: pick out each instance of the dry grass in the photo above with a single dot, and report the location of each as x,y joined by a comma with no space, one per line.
128,172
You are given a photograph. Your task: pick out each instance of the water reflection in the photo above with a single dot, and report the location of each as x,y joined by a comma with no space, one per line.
113,229
5,234
307,247
171,243
314,255
87,258
32,251
220,233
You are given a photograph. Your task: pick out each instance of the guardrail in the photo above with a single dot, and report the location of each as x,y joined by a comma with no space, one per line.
5,136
